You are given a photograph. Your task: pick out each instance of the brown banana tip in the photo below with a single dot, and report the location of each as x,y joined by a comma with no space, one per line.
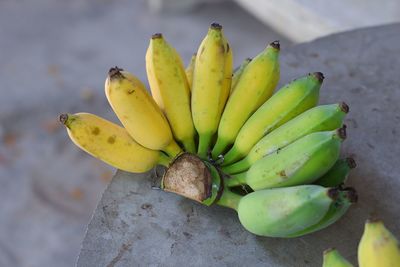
344,107
341,132
115,72
63,118
373,220
351,194
216,26
249,59
319,76
157,36
351,162
275,44
333,193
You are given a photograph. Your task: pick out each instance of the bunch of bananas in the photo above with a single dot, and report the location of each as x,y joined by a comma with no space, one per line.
378,248
224,137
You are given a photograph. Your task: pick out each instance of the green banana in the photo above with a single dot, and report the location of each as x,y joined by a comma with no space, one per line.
338,174
345,199
302,162
332,258
238,72
189,70
290,101
254,87
280,212
208,86
321,118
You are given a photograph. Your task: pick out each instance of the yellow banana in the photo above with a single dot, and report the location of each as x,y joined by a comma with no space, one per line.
208,80
167,76
378,247
226,84
238,72
254,87
290,101
189,70
138,112
110,143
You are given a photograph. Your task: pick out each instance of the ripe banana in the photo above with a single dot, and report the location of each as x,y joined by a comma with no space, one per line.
208,81
338,174
378,246
110,143
332,258
254,87
346,198
301,162
238,72
280,212
290,101
189,70
321,118
168,79
138,112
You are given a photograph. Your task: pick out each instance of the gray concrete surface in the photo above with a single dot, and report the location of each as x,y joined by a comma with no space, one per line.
136,226
54,56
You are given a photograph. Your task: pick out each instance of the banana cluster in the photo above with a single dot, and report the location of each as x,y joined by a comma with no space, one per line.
378,248
225,137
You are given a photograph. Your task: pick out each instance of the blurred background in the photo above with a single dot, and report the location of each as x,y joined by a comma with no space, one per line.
54,57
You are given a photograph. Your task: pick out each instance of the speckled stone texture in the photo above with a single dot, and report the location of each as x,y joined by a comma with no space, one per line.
134,225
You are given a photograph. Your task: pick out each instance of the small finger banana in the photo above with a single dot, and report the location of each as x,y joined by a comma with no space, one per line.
254,87
138,112
332,258
167,77
189,70
378,246
290,101
321,118
338,174
301,162
238,72
110,143
208,81
280,212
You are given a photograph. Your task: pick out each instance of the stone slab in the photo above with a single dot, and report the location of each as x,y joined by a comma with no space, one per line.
134,225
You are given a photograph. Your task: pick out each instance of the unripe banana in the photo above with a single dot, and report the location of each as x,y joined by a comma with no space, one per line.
346,198
338,174
290,101
110,143
208,81
321,118
378,247
167,76
138,112
301,162
189,70
238,72
254,87
280,212
332,258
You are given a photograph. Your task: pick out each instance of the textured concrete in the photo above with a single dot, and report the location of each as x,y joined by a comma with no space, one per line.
136,226
54,58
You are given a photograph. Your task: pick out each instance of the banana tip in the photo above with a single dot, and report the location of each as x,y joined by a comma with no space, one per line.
63,118
157,36
373,220
351,194
216,26
344,107
326,251
341,132
333,193
351,162
115,72
319,76
275,44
